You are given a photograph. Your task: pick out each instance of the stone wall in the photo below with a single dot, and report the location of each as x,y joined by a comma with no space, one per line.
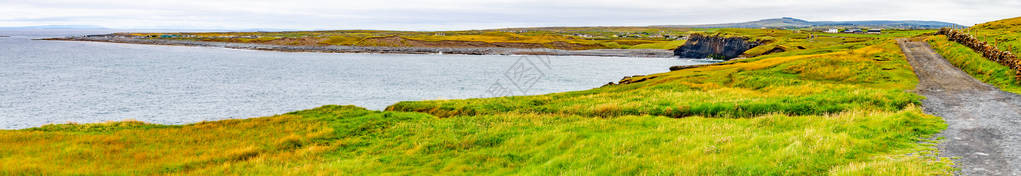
988,50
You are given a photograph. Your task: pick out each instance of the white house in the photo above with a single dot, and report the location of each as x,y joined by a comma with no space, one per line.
834,30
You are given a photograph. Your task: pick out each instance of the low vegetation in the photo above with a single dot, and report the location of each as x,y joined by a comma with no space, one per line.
834,105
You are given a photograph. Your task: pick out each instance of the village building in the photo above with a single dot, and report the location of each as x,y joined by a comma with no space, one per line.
853,31
582,35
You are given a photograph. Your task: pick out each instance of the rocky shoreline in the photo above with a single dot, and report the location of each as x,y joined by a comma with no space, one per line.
653,53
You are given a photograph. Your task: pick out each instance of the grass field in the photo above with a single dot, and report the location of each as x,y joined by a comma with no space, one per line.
873,77
840,106
351,140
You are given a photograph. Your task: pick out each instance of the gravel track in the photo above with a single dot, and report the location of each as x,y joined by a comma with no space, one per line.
984,124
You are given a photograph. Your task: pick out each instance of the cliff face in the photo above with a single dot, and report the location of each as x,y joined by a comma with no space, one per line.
714,46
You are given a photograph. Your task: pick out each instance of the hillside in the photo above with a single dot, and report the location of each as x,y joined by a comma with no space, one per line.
1004,34
788,23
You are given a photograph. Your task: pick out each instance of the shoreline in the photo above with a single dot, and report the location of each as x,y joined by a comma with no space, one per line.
648,53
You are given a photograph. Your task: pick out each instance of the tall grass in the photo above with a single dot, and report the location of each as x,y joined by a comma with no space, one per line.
133,148
533,144
350,140
874,77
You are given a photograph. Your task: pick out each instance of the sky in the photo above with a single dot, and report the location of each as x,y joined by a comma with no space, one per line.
477,14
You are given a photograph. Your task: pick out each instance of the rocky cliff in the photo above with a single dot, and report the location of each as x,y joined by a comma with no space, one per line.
714,46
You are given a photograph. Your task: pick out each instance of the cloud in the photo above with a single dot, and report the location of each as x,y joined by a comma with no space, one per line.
474,14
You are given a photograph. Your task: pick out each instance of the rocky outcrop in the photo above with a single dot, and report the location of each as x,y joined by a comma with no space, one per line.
630,79
714,46
988,51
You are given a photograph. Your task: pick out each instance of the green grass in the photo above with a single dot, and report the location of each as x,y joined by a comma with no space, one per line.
874,77
1003,34
534,144
975,65
835,106
134,148
352,140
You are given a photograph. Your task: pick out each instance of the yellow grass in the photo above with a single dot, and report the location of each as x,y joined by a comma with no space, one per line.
120,148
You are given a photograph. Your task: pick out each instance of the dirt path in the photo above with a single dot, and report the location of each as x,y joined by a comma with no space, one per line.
984,131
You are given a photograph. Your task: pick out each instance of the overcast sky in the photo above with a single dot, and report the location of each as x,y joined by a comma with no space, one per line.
478,14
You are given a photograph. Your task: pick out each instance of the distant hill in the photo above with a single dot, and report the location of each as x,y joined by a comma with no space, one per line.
788,22
55,27
145,29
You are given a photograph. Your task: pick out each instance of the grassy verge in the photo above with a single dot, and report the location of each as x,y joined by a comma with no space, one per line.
975,65
351,140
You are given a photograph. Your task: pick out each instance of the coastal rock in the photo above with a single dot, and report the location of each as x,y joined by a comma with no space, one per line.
714,46
630,79
682,67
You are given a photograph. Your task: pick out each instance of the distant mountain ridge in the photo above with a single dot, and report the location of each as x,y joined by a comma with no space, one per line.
144,29
788,22
57,27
